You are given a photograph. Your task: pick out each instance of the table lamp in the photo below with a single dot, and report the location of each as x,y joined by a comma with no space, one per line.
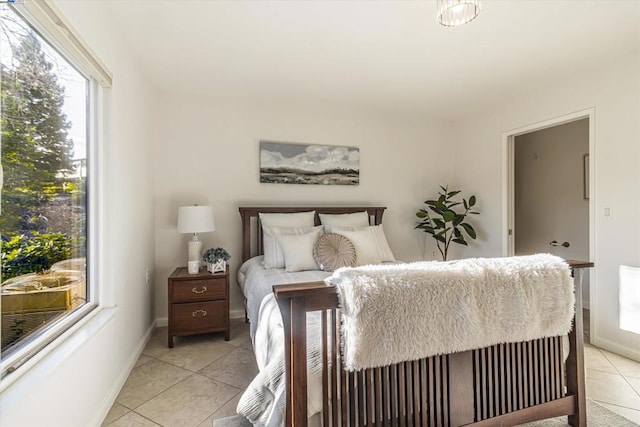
195,219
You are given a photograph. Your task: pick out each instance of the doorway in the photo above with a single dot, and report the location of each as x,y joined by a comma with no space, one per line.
549,196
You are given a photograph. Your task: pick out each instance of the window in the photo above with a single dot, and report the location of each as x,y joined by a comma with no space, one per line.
47,131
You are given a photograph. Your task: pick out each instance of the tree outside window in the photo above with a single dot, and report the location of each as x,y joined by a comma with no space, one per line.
43,224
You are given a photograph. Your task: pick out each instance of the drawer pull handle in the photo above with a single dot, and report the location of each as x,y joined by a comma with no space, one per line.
201,291
196,312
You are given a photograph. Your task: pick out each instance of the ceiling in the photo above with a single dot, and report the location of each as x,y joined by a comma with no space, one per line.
385,55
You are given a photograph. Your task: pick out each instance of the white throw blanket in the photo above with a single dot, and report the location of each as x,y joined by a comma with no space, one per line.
393,313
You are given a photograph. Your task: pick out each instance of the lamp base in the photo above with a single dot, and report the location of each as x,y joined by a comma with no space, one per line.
194,253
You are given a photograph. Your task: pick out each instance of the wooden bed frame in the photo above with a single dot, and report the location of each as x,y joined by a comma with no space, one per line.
500,385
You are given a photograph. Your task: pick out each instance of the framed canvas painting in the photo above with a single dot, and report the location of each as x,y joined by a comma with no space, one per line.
287,163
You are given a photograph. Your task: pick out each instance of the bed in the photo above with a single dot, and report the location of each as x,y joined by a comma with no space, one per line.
503,384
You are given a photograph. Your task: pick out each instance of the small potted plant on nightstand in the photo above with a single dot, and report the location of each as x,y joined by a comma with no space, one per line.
216,259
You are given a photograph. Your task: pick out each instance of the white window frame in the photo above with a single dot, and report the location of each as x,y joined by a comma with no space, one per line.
51,24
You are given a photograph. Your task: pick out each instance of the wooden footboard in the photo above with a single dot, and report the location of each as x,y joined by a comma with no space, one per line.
504,384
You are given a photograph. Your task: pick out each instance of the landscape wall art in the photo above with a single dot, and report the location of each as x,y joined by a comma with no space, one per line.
286,163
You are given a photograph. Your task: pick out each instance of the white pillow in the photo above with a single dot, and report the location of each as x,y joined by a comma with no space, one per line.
335,228
268,220
383,245
298,250
273,256
357,219
298,219
370,243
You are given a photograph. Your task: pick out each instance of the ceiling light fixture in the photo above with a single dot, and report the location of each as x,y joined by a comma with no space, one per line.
452,13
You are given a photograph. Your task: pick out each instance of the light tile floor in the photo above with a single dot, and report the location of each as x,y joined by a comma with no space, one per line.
203,377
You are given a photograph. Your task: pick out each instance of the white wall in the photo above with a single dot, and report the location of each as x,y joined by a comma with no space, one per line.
76,384
207,153
614,92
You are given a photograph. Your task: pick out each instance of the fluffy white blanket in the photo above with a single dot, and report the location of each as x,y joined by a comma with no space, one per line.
393,313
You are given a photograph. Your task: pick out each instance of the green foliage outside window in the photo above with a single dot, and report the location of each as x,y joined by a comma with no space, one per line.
44,197
36,157
30,254
36,149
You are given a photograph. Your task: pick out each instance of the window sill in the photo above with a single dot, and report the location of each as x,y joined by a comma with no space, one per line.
20,383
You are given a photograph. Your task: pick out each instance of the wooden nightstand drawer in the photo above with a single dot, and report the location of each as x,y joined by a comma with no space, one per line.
197,317
198,303
201,289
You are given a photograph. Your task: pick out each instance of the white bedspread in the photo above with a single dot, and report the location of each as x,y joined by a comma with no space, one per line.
392,314
256,282
263,402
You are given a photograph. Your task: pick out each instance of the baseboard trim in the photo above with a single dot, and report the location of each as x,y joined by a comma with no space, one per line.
236,314
122,378
616,348
162,322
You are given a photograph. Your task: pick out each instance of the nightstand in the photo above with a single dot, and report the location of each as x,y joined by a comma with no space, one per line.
198,303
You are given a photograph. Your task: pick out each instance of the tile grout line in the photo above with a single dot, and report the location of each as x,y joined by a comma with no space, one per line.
615,404
632,387
185,378
195,372
222,382
191,374
156,395
618,374
608,361
128,411
159,393
135,412
621,374
221,406
604,372
149,419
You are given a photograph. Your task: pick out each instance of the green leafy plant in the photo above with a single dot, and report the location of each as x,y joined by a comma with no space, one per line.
215,254
445,223
32,254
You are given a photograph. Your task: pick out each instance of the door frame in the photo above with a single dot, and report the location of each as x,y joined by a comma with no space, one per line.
508,187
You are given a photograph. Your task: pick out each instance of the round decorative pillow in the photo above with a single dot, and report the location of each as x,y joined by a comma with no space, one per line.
333,251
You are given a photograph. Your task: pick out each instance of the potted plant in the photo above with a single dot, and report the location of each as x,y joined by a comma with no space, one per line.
216,259
445,223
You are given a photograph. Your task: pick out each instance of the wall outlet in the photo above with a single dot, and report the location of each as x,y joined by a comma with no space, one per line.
608,212
147,275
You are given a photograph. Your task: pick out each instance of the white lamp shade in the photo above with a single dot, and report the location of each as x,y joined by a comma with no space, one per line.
195,219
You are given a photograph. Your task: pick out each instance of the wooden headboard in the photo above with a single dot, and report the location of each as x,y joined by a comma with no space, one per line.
252,231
